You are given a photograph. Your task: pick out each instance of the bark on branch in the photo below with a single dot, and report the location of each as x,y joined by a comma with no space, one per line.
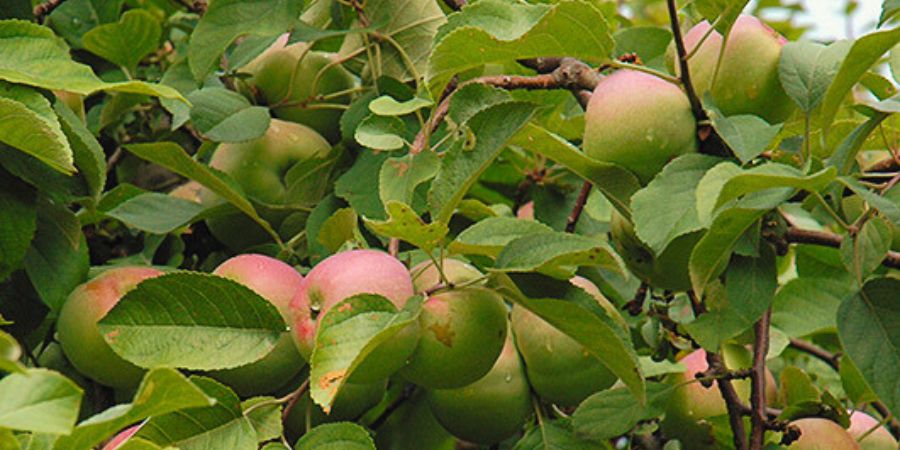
758,382
800,236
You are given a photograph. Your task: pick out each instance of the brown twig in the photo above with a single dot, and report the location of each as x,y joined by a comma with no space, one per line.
758,382
455,5
572,220
732,401
42,10
800,236
683,72
885,165
394,247
636,304
195,6
294,397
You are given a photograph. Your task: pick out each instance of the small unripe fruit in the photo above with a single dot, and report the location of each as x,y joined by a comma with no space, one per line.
79,336
426,276
822,434
276,282
490,409
262,168
640,122
879,439
666,271
748,81
120,438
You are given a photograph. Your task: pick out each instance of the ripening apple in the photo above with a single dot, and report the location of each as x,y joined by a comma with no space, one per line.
490,409
747,82
79,336
638,121
822,434
344,275
879,439
276,282
692,403
560,369
263,169
284,77
413,427
666,271
119,439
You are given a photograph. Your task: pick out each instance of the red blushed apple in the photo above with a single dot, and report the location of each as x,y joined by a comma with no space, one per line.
879,439
822,434
79,336
120,438
276,282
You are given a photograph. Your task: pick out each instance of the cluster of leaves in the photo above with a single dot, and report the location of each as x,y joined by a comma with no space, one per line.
109,104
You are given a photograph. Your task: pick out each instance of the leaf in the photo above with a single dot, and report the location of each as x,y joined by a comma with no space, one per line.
341,435
155,212
126,42
712,253
10,353
73,18
226,116
58,259
615,411
162,391
174,158
864,52
403,223
667,207
771,176
356,185
885,206
844,156
192,320
399,177
363,335
226,20
39,400
31,54
863,253
650,44
218,426
806,70
804,305
722,13
29,124
89,157
381,133
867,328
338,229
490,236
556,254
553,435
616,183
18,222
491,128
470,99
889,9
746,135
265,418
473,37
388,106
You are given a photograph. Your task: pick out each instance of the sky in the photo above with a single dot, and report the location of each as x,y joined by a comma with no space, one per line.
828,21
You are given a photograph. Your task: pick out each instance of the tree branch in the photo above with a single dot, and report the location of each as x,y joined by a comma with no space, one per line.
758,379
732,402
42,10
684,72
455,5
796,235
572,220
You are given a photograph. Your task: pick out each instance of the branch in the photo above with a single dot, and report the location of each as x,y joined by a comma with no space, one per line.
800,236
293,398
572,220
455,5
885,165
194,6
684,73
732,402
758,379
42,10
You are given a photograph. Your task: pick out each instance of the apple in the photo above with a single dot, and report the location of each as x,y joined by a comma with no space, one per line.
638,121
344,275
691,403
666,271
526,211
413,427
283,78
490,409
560,369
119,439
279,171
426,276
276,282
351,402
79,336
747,82
879,439
822,434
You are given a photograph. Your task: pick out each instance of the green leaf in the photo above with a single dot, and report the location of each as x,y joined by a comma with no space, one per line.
194,321
58,259
226,20
797,387
865,51
403,223
806,70
39,400
126,42
73,18
462,166
30,125
265,418
162,391
844,156
155,212
338,229
10,353
712,253
341,435
470,99
746,135
553,435
867,328
174,158
614,412
650,44
381,133
219,426
770,176
616,183
399,177
557,254
388,106
667,207
356,185
226,116
489,236
31,54
889,9
885,206
89,157
854,384
804,305
18,222
474,36
863,253
363,335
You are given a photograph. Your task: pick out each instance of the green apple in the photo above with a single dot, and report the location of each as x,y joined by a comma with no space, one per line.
426,276
351,402
490,409
666,271
879,439
80,337
413,427
276,282
638,121
822,434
